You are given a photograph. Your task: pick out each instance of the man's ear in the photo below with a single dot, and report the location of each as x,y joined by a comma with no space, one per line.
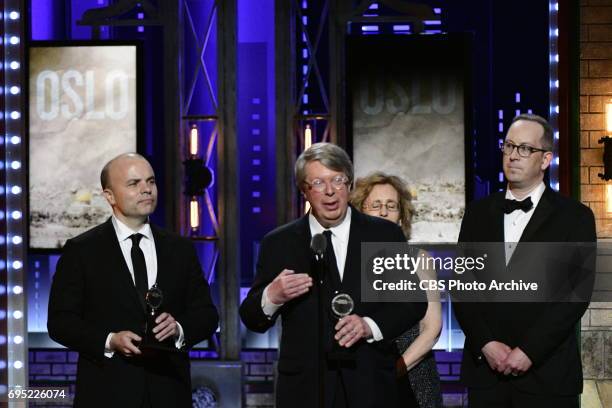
546,160
110,197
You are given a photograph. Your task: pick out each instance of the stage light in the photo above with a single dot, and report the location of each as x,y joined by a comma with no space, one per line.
14,40
16,215
17,240
609,116
15,115
17,339
193,140
15,165
194,213
13,15
17,290
14,90
18,365
15,140
14,65
15,190
17,314
307,137
17,265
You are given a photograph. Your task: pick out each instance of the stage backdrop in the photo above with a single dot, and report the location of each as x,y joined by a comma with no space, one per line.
407,117
82,112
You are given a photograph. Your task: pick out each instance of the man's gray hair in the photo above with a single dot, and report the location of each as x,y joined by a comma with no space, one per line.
329,155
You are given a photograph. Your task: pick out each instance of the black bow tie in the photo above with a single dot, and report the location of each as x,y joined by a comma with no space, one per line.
513,205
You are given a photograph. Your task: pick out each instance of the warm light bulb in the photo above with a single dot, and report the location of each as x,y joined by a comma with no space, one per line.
194,213
193,141
609,116
307,137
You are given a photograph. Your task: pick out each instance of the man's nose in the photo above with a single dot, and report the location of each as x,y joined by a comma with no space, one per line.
383,211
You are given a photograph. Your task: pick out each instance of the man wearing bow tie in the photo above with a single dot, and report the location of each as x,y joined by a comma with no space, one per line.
524,354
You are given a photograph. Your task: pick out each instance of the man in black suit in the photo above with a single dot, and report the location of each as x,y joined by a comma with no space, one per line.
525,354
97,302
283,287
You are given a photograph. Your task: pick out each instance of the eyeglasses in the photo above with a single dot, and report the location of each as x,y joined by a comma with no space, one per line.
318,185
523,150
391,206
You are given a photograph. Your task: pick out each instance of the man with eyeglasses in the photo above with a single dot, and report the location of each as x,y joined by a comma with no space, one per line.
283,287
524,354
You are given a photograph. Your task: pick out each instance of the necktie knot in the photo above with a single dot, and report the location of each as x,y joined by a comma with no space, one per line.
136,239
513,205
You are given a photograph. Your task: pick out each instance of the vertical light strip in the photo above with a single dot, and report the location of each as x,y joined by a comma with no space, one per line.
553,49
15,190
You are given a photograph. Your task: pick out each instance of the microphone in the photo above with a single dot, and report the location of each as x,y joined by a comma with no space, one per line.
318,245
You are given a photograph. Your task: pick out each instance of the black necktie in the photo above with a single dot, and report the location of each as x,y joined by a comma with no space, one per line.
140,266
513,205
330,257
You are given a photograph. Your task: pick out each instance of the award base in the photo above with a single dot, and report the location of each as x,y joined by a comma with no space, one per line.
152,347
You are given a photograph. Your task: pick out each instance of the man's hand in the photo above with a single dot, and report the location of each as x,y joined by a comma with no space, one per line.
288,285
166,327
517,362
496,353
123,342
351,329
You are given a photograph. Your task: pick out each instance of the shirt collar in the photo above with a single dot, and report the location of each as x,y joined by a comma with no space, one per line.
124,232
340,231
535,194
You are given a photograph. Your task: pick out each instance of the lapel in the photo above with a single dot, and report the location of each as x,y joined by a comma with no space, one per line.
544,210
495,222
301,245
118,266
163,257
352,270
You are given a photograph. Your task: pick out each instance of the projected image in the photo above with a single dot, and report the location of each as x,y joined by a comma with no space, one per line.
82,113
407,101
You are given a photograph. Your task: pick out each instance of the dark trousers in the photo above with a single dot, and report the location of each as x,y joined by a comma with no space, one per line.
340,397
505,395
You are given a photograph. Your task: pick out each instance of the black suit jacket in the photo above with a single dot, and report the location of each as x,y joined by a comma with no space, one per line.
545,331
371,382
93,294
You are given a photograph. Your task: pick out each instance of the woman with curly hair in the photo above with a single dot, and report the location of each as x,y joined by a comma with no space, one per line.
387,196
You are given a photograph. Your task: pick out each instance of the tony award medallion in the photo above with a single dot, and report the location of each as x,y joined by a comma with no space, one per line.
153,299
342,305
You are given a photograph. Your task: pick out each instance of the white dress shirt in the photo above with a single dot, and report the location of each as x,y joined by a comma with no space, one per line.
340,238
147,245
516,221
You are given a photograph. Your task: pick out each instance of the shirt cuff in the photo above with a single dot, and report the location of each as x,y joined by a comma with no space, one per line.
376,333
267,306
108,353
179,341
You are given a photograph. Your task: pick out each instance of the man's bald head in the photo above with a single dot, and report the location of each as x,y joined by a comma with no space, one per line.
106,170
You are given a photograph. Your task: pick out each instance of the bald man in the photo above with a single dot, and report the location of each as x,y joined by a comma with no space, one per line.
97,304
